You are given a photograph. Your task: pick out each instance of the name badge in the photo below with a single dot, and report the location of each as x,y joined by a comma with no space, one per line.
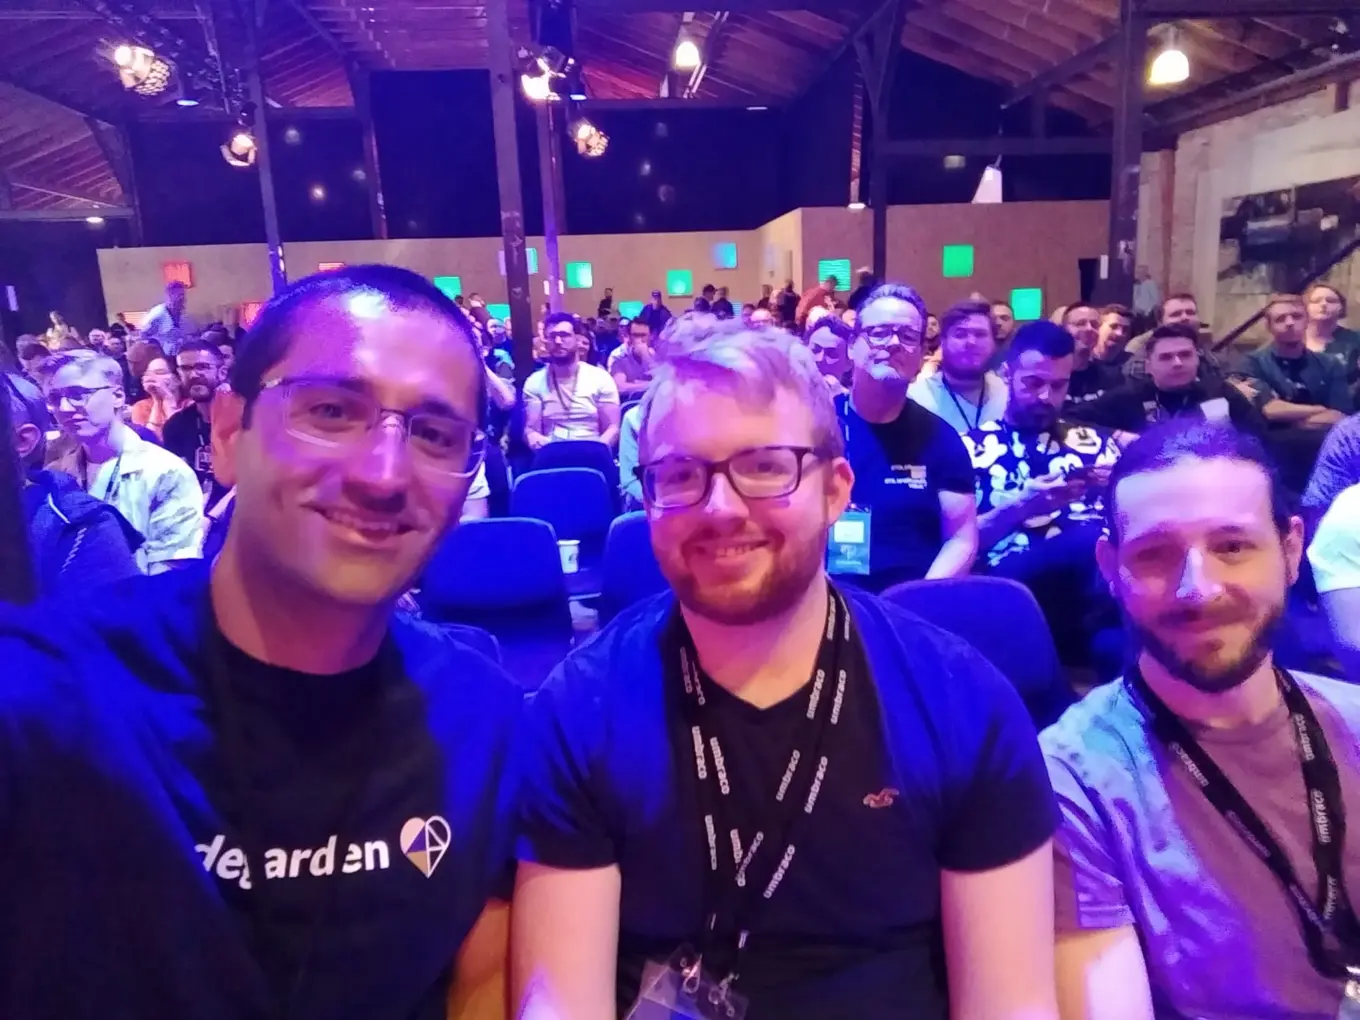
847,551
681,989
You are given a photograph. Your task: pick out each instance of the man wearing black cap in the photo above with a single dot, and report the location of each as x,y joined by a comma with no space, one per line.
656,314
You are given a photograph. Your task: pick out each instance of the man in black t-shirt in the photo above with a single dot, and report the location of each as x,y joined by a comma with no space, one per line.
1091,375
912,474
188,432
284,799
875,783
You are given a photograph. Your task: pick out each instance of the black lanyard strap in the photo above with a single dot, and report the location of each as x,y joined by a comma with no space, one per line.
734,886
245,808
1331,930
958,405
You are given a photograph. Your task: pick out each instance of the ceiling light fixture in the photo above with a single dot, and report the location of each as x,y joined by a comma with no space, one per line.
240,149
140,70
1171,66
687,55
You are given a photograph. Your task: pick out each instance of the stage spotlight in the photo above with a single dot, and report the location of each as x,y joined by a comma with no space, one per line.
1172,66
590,140
240,149
95,221
581,129
537,87
140,70
687,55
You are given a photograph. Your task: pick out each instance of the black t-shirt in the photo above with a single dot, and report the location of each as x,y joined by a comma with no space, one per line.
123,891
901,467
934,765
1091,382
189,438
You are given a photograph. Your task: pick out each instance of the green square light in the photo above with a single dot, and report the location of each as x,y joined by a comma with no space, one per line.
1027,303
450,285
501,312
839,268
957,261
630,309
679,283
725,255
580,276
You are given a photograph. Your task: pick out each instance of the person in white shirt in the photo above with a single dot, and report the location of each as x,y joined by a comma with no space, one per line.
153,489
168,324
1335,557
963,392
566,398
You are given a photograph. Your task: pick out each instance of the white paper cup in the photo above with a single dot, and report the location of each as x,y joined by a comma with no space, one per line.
570,550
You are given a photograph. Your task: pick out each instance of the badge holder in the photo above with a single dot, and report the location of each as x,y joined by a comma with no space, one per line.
847,552
680,990
1350,998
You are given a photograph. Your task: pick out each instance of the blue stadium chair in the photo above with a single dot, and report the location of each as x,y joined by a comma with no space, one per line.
504,575
577,502
630,571
579,453
498,480
999,618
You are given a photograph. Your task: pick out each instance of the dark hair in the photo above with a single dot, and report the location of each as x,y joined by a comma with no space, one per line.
709,289
835,323
1123,311
31,349
1178,330
201,344
1178,296
141,354
1170,442
899,292
27,407
553,318
1004,304
961,310
267,341
1048,338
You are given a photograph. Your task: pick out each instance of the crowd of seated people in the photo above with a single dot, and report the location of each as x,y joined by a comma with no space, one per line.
1174,845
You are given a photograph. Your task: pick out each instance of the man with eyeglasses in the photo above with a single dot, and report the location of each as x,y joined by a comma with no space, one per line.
292,799
759,786
154,490
566,398
1040,482
188,432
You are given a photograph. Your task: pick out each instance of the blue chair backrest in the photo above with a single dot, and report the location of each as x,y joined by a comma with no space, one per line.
999,618
496,565
583,453
630,570
577,502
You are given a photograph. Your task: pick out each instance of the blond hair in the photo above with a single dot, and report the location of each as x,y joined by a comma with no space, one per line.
88,361
751,363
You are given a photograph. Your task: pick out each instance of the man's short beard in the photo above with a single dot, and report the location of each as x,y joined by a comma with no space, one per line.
1221,680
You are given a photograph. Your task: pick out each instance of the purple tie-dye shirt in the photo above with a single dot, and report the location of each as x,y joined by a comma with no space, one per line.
1140,845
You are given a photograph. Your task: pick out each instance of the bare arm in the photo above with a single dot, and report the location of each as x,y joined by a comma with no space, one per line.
628,390
533,421
501,392
1343,610
1102,976
609,422
564,936
998,940
959,525
480,990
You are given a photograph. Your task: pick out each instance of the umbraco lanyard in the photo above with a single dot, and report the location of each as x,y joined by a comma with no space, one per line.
227,724
742,877
958,404
115,479
1331,931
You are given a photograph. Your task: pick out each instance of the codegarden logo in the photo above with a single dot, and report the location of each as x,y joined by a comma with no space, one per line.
424,841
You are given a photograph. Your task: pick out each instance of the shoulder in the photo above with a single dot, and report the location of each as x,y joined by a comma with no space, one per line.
1098,742
160,461
924,389
1342,697
596,377
537,383
184,418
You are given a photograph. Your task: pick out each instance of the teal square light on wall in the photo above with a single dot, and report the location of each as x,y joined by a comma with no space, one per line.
630,309
580,276
501,312
957,261
1028,303
679,283
839,268
450,285
725,255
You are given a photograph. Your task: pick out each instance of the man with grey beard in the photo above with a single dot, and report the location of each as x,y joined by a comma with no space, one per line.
1202,865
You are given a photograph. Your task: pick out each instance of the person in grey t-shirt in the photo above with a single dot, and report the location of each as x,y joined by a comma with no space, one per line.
1163,910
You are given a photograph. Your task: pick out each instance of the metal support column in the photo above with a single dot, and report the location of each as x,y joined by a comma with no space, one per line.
878,45
1130,53
278,273
554,204
501,54
360,84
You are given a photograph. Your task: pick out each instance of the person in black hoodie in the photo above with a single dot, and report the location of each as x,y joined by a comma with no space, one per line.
1171,389
77,542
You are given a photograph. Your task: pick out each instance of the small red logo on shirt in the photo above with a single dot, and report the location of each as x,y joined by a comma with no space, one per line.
883,798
